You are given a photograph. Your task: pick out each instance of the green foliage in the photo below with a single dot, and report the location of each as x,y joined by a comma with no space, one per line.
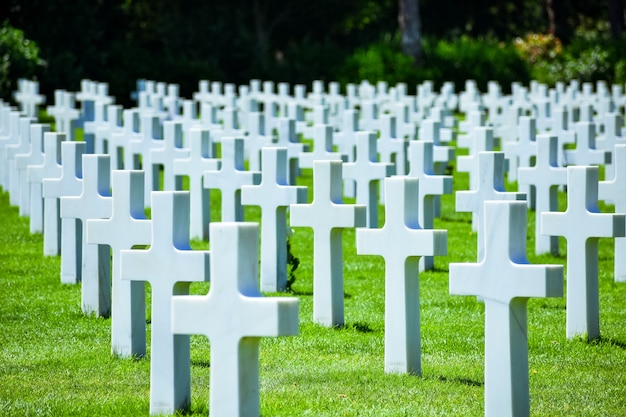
592,55
482,59
19,58
293,263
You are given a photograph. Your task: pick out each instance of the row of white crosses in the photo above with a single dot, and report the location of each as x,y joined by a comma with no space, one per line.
327,303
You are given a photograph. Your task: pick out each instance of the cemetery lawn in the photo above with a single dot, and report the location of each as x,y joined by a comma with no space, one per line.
56,361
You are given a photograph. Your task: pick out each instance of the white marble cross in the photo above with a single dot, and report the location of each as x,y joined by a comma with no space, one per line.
543,179
613,189
169,265
234,316
586,152
504,280
581,225
28,97
34,156
201,158
49,168
346,136
430,131
126,227
431,186
230,177
10,152
257,138
611,138
490,187
94,202
70,183
401,242
10,138
391,147
560,125
322,147
327,215
273,195
170,150
287,138
64,113
482,141
520,152
121,130
366,172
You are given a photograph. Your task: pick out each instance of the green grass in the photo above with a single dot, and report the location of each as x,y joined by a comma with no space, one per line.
56,361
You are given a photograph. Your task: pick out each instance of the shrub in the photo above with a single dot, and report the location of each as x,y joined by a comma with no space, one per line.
19,58
464,58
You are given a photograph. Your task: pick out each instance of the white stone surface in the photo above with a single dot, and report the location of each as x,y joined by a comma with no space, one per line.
581,225
64,112
230,177
543,179
504,280
585,152
327,215
169,265
613,190
22,145
287,138
273,195
234,316
323,147
49,167
94,202
432,186
481,141
520,152
490,187
367,172
401,242
170,150
125,228
33,156
258,137
201,158
392,147
70,183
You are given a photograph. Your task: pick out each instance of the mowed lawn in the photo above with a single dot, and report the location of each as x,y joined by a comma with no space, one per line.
56,361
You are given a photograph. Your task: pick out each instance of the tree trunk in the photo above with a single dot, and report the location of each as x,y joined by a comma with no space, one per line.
411,28
616,17
557,20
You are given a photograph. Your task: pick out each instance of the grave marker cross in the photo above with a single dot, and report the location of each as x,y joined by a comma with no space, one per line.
230,177
543,179
169,265
50,167
614,190
94,202
126,227
582,224
68,184
274,196
201,158
367,172
234,316
401,242
490,187
504,280
327,216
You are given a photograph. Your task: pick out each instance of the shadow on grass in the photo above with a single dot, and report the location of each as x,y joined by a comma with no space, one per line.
610,341
357,326
463,381
201,363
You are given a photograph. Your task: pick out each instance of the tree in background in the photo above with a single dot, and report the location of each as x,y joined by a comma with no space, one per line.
411,29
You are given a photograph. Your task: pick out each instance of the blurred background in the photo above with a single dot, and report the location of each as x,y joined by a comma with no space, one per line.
60,42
